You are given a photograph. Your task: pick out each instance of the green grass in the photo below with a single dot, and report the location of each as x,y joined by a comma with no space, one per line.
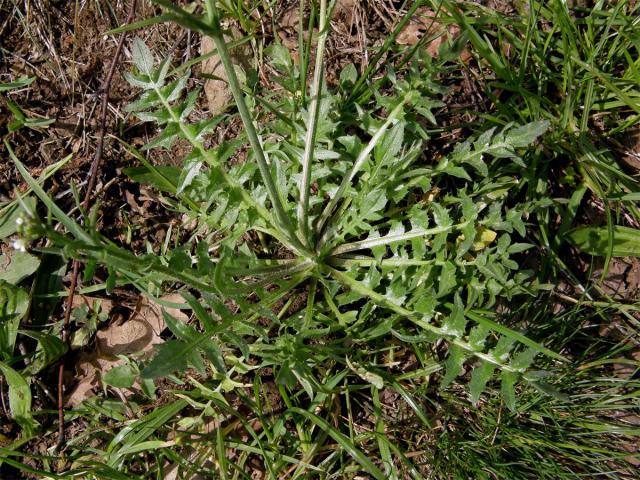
359,307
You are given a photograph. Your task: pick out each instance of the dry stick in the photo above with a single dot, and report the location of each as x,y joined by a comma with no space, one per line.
93,172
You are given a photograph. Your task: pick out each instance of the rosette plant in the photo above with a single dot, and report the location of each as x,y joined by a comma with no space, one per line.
330,245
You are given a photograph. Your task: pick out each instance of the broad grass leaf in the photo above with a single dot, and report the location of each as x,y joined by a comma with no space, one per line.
145,446
595,241
13,305
368,376
19,399
627,197
20,83
10,213
513,335
16,266
48,351
140,430
67,221
369,467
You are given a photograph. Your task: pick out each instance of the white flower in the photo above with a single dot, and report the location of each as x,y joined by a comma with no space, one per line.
19,245
19,221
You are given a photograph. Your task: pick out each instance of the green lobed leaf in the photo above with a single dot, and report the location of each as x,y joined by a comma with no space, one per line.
456,322
453,366
172,356
522,360
526,134
191,169
479,377
507,387
189,334
122,376
142,57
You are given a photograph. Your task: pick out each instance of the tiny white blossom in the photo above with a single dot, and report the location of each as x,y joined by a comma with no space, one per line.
20,245
19,221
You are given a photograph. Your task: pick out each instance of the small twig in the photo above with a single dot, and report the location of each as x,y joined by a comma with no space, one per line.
103,112
93,172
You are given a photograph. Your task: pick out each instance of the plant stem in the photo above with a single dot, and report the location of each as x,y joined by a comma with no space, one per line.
291,241
414,317
309,141
215,33
389,239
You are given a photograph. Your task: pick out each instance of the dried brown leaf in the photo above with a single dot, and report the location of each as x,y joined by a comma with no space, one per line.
425,22
136,335
217,91
344,11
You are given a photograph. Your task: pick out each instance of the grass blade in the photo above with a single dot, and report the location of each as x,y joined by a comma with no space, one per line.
309,142
19,399
344,442
71,225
